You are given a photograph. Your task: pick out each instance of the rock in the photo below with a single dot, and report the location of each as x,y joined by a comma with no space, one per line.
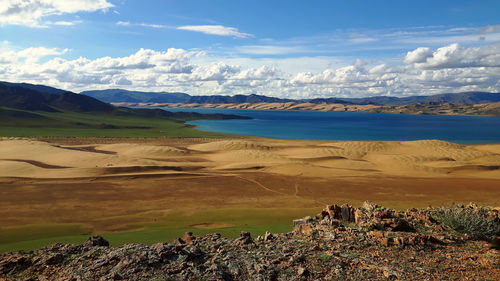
234,269
359,216
179,242
314,251
402,225
268,236
305,220
369,206
301,271
346,213
96,241
386,241
439,228
324,214
52,259
333,211
496,242
188,238
115,276
389,273
245,238
421,216
14,263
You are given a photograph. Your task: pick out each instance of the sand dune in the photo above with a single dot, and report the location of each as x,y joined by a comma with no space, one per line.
425,158
109,185
143,150
226,145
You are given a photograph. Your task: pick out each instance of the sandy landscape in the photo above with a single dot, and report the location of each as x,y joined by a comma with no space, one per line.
80,186
490,109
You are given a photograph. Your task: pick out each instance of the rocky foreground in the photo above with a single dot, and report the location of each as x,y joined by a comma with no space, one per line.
340,243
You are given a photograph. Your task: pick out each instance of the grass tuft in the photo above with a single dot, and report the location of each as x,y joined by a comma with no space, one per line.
474,222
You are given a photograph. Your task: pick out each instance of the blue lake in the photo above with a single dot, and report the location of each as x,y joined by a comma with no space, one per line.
313,125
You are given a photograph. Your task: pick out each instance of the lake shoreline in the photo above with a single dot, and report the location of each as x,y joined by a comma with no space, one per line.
486,109
351,126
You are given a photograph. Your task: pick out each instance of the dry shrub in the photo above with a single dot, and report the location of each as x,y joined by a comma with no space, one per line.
477,222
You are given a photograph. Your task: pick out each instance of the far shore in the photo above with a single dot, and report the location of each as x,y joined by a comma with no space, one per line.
486,109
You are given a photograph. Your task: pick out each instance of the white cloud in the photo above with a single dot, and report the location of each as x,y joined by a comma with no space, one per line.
31,12
419,55
455,56
63,23
127,23
490,29
123,23
450,68
30,55
216,30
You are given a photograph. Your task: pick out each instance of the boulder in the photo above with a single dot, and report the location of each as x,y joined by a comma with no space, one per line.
245,237
96,241
188,238
268,236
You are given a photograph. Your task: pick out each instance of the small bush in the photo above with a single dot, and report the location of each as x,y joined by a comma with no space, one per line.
325,257
474,222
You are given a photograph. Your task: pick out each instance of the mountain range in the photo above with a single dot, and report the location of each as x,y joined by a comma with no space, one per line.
31,98
124,96
41,101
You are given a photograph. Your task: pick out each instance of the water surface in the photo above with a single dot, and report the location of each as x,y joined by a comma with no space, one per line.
315,125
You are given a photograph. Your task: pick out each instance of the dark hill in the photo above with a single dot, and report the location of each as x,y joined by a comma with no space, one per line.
39,88
467,97
236,99
119,95
77,102
20,97
23,98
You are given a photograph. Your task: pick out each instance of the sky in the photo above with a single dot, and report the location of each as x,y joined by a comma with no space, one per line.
292,49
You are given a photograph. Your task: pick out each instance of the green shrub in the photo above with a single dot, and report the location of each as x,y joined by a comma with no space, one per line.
474,222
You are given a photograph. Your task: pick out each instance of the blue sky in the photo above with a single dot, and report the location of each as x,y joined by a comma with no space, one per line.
278,48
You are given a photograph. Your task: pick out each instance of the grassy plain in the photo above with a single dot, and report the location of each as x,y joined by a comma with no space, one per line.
85,124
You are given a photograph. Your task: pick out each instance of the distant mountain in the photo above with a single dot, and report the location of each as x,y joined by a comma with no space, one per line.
26,98
71,101
466,97
39,88
20,96
236,99
119,95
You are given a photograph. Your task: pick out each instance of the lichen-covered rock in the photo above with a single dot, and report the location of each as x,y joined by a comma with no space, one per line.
96,241
340,243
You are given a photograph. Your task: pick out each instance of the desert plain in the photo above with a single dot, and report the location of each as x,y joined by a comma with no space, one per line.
154,189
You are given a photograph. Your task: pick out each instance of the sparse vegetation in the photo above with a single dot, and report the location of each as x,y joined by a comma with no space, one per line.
474,222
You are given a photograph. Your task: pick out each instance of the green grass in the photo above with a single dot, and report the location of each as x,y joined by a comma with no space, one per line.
75,124
256,221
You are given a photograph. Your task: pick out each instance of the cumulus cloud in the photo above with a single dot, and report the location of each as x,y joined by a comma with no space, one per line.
450,68
419,55
31,12
30,55
455,56
216,30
